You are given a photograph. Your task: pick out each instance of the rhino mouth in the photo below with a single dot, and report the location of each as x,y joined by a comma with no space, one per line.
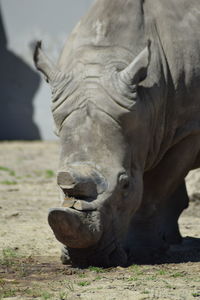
108,253
86,240
78,204
78,201
85,229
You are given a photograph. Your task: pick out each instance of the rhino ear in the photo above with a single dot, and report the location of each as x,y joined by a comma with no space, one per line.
44,64
134,73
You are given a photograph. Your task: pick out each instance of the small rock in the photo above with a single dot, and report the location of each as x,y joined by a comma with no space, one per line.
14,214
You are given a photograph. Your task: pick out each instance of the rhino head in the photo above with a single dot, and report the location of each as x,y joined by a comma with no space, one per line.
97,113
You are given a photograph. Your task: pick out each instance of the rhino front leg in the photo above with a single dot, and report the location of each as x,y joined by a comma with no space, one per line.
170,213
155,224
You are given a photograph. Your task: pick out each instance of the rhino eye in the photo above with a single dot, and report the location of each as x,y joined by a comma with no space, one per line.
124,181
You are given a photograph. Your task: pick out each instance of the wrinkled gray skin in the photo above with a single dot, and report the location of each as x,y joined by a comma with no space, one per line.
126,105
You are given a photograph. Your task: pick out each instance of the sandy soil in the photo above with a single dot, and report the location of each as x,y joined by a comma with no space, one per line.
29,254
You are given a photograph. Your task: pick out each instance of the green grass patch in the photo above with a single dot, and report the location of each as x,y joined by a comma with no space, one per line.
96,269
8,170
132,279
8,293
136,269
9,252
81,275
9,182
49,173
98,277
36,292
44,173
8,257
196,294
145,292
2,281
178,274
63,296
152,277
168,285
162,272
45,295
83,283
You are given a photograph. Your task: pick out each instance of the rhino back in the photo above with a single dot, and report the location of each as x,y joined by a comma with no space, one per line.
177,24
124,24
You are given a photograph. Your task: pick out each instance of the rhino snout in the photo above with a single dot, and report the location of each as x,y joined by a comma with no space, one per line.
78,224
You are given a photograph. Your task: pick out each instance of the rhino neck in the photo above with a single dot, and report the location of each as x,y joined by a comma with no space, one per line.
151,113
159,93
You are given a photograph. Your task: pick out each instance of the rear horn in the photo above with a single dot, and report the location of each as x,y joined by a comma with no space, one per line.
136,71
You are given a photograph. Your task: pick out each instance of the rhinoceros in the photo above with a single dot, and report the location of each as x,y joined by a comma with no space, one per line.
126,106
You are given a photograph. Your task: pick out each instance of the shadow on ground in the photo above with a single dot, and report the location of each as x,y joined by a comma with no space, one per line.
187,251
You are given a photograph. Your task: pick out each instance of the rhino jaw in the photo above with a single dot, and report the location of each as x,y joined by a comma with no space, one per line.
75,229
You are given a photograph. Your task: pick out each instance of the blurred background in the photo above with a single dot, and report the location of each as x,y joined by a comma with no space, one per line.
25,97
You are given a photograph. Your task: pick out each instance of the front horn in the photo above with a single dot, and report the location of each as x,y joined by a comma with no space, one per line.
75,229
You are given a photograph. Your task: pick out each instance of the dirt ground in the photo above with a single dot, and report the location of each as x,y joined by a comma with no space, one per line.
29,254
